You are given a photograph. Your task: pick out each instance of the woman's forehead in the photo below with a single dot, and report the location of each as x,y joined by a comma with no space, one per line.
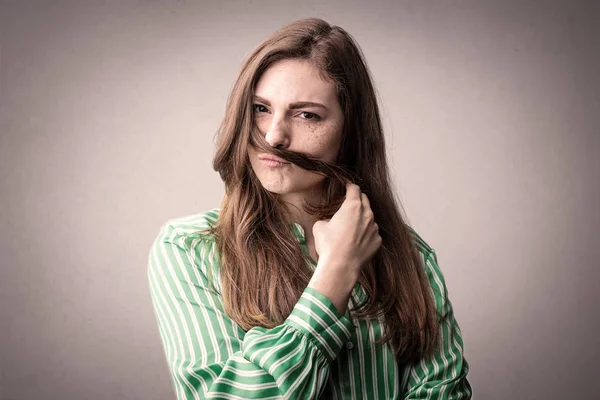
292,80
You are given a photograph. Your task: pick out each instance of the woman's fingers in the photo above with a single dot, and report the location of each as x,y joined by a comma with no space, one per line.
365,200
352,191
367,208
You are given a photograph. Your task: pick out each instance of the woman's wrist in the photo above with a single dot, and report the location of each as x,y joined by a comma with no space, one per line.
334,282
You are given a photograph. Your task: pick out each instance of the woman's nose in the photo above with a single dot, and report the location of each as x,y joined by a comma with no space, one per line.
277,133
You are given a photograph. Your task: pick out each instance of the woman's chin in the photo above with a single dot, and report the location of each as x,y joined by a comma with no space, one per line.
275,189
287,188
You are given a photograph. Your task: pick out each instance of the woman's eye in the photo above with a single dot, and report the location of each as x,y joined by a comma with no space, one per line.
259,108
309,115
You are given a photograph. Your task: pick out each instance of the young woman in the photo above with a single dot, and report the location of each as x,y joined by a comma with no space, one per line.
306,283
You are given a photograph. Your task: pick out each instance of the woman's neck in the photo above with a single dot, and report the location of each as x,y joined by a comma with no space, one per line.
298,215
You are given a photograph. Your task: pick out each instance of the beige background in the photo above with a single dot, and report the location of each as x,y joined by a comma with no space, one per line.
108,111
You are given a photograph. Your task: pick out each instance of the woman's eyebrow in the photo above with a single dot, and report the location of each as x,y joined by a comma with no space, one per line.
293,106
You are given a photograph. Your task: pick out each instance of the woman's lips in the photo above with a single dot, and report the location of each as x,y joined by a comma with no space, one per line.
271,160
273,163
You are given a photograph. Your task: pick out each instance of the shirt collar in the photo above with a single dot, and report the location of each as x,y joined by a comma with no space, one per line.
298,231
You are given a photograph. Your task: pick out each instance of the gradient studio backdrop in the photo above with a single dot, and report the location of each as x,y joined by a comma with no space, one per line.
108,112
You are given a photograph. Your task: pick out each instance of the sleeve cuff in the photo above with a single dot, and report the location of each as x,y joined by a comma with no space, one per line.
316,317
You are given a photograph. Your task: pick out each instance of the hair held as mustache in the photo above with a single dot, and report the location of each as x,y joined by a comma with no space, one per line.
339,174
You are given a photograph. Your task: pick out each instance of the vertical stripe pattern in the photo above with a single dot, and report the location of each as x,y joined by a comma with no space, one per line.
315,353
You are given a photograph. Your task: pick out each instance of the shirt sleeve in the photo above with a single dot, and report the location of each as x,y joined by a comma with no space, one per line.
210,356
443,376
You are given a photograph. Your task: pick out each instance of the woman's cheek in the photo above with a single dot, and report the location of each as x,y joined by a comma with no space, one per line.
325,141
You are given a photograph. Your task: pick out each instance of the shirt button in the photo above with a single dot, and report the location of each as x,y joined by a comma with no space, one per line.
349,345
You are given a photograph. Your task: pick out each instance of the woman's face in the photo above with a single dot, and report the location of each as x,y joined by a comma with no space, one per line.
295,109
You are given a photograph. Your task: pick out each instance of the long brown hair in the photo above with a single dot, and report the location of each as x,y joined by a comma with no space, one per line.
263,270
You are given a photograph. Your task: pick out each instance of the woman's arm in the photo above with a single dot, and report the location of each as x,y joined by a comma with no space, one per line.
210,356
444,376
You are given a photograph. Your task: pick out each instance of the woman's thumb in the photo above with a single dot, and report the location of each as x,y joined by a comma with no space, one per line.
320,222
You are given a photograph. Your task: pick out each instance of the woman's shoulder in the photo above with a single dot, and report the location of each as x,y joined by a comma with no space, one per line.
184,246
430,261
191,228
420,244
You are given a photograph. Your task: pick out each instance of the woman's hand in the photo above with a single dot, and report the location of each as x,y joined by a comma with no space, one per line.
344,244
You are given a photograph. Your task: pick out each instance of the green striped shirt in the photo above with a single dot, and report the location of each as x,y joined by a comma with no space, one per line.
315,353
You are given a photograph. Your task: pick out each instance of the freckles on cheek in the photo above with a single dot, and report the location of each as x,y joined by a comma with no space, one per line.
323,139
